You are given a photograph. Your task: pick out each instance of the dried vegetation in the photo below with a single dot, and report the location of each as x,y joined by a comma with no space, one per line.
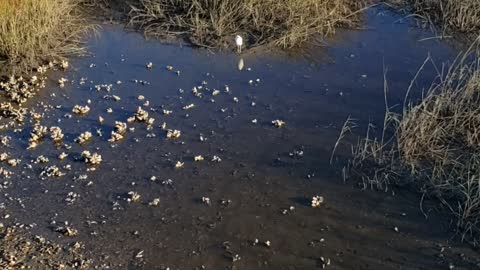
33,31
214,23
450,16
433,144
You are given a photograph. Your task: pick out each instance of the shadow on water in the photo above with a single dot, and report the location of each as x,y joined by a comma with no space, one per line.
261,173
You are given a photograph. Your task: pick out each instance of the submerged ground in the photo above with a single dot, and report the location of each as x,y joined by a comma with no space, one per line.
260,185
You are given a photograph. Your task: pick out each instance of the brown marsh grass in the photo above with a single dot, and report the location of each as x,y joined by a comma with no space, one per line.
433,145
462,16
32,31
214,23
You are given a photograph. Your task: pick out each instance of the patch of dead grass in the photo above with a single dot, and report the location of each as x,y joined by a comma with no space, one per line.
214,23
32,31
433,144
459,16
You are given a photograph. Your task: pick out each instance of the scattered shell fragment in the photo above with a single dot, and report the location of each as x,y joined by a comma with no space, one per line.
64,64
62,156
173,134
155,202
62,81
139,255
133,197
120,127
278,123
91,158
179,165
115,137
4,156
77,109
56,134
52,171
84,137
42,159
67,231
5,174
13,162
141,115
36,135
189,106
206,200
199,158
317,201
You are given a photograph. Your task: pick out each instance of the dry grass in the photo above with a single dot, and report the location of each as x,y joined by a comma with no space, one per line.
32,31
213,23
434,145
463,16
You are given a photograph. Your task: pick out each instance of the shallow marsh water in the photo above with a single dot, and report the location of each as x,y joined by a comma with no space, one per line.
313,92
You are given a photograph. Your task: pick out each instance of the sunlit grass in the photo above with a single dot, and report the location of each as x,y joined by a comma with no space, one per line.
32,31
433,144
214,23
462,16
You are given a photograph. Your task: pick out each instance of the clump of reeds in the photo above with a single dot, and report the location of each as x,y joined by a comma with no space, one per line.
433,144
214,23
463,16
32,31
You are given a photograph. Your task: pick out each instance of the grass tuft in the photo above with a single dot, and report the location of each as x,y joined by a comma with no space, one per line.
32,31
460,16
433,144
214,23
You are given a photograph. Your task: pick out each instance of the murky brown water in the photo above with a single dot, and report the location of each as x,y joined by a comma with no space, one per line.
313,92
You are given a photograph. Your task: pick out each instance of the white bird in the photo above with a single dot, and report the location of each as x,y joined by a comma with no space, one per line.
239,42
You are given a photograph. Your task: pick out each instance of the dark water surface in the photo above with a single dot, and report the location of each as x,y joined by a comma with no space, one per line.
313,92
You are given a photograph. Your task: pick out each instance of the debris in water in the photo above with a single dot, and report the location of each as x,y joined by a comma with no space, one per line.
67,231
84,137
62,156
64,64
77,109
155,202
206,200
278,123
173,134
188,107
56,134
179,165
62,81
317,201
91,158
133,197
